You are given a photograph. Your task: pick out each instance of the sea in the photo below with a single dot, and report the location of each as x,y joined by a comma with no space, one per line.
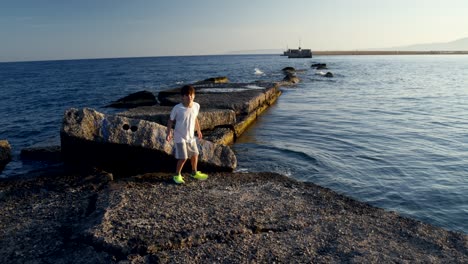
389,130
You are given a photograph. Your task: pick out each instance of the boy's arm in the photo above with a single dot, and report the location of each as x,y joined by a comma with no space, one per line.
197,127
169,130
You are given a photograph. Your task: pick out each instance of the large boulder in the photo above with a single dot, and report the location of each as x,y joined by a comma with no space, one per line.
208,118
126,146
142,98
5,153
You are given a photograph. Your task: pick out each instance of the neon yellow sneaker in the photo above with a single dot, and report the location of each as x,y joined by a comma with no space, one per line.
178,179
199,176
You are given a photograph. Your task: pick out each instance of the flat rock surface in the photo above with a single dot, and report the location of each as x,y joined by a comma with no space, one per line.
208,118
230,218
237,97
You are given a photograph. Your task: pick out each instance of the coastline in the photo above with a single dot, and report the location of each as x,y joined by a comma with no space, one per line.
232,217
383,52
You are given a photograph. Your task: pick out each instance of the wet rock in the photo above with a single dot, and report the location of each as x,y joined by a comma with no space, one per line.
319,66
328,75
5,153
290,79
123,145
288,70
142,98
222,79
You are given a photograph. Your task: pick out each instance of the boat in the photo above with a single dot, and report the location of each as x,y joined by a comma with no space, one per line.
298,53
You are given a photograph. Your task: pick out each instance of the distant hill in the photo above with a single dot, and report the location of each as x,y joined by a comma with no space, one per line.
456,45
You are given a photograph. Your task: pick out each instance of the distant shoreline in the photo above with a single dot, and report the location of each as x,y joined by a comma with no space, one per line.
384,52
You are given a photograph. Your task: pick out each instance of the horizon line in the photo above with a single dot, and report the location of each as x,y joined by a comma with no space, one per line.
317,52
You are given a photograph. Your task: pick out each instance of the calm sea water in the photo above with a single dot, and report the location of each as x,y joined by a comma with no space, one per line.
388,130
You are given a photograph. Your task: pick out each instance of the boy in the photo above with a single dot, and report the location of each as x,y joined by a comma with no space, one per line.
185,117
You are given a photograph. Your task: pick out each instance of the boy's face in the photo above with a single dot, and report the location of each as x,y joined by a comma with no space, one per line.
187,99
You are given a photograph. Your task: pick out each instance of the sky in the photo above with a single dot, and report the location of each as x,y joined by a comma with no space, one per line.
67,29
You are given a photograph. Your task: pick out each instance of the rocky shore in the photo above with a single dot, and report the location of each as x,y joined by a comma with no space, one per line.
124,212
65,217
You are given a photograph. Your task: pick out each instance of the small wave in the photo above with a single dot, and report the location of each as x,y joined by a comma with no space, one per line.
321,73
254,87
299,154
258,71
242,170
365,157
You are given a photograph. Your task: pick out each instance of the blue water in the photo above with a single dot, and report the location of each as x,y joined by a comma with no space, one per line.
388,130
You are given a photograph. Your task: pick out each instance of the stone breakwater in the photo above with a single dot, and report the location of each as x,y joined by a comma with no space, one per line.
134,141
227,109
231,218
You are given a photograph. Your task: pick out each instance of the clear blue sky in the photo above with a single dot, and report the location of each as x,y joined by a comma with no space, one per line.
67,29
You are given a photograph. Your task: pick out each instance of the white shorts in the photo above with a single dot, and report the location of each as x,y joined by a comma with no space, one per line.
185,150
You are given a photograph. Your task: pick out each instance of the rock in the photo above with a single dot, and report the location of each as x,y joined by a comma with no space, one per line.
222,79
44,153
231,217
5,153
212,118
319,66
208,118
220,135
61,204
291,79
142,98
156,113
125,146
288,70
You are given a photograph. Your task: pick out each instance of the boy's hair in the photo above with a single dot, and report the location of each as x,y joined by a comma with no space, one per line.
187,90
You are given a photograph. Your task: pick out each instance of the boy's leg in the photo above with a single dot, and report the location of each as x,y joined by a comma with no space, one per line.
178,178
194,162
180,165
197,174
181,156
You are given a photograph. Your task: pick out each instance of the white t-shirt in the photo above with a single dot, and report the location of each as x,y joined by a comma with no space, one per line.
185,122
